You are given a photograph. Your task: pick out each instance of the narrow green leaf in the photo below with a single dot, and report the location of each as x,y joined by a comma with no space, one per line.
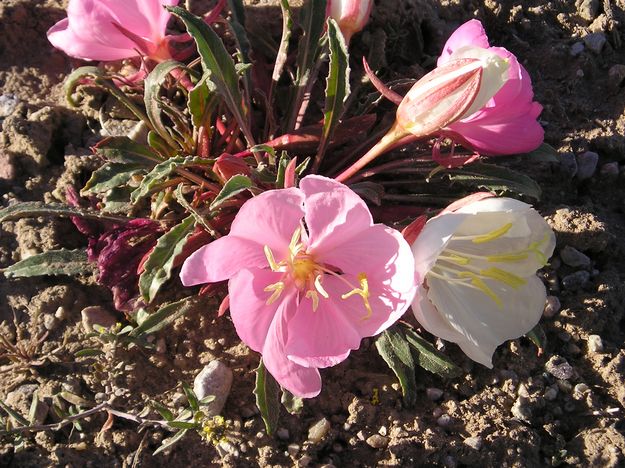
125,150
283,162
158,266
237,24
191,396
110,176
395,351
32,412
36,209
160,173
337,87
217,61
182,424
14,414
75,79
201,100
538,337
495,178
282,55
293,404
53,263
430,358
88,352
235,185
544,153
166,315
267,393
171,441
199,219
117,200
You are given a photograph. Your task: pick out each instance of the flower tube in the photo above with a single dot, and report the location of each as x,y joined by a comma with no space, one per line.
476,267
309,275
113,29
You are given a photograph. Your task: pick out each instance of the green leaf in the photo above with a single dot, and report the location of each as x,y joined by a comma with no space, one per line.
110,176
88,352
267,393
32,412
125,150
201,101
152,84
217,61
117,200
538,337
282,54
182,424
199,219
36,209
544,153
158,267
191,396
171,441
430,358
167,314
497,179
235,185
293,404
395,351
52,262
75,79
160,173
337,87
14,414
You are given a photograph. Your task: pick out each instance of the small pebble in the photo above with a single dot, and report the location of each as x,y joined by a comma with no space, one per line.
580,388
282,434
61,313
96,315
444,420
609,170
318,430
50,322
552,306
8,103
293,449
587,9
595,344
559,368
161,345
576,49
475,443
214,379
521,409
595,41
226,448
586,164
383,431
377,441
433,394
304,461
616,74
576,281
574,258
565,386
551,393
568,165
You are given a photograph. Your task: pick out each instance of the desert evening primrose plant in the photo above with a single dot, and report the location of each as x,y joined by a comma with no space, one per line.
276,169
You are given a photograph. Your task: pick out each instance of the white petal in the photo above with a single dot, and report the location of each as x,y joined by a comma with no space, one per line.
482,324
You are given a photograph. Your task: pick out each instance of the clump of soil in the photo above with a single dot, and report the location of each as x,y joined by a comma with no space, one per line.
565,406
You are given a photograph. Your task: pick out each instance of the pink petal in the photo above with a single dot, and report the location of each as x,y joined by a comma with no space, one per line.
270,219
222,259
251,315
470,33
323,337
304,382
334,213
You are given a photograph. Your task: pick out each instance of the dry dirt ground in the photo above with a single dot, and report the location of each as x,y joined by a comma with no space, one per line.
565,407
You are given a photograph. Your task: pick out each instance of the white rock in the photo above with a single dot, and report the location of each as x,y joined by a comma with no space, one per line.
215,379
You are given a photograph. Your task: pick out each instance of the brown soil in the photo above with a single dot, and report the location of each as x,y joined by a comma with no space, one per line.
517,414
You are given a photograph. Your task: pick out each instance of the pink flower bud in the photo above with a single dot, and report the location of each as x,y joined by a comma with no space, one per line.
227,166
450,92
351,15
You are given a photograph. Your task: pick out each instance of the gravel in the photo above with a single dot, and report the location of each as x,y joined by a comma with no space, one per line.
559,368
574,258
214,379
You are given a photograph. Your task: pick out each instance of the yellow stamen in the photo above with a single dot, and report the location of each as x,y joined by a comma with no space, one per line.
506,277
314,297
272,261
363,292
534,247
507,258
454,258
277,289
482,286
490,236
319,287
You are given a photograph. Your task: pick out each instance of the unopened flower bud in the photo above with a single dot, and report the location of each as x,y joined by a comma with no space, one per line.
351,15
450,92
227,166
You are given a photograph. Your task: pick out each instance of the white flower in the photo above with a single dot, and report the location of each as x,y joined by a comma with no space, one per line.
477,272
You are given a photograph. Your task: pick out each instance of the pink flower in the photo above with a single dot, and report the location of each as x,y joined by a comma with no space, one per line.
113,29
310,276
507,123
351,15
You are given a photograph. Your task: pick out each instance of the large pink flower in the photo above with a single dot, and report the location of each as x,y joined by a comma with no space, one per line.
310,276
507,123
112,29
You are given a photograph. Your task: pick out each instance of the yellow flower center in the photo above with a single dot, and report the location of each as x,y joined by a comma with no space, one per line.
301,269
